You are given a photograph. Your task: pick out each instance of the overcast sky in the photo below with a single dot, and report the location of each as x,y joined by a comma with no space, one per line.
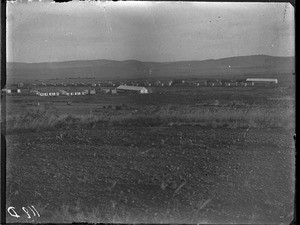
147,31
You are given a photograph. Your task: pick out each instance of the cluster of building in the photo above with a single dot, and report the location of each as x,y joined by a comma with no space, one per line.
135,87
64,92
228,83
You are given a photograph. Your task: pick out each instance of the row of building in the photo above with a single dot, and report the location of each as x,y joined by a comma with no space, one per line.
153,83
53,93
63,92
139,89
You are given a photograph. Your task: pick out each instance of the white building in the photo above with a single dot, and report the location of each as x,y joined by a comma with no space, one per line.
63,92
43,94
52,94
138,89
262,80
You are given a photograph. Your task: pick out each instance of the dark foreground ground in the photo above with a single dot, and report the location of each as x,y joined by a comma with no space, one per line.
183,174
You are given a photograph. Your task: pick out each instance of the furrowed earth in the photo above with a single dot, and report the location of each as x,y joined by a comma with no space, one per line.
173,173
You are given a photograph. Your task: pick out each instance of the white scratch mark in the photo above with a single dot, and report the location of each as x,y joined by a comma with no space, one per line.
107,22
204,204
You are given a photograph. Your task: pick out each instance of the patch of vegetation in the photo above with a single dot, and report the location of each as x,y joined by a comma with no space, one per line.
38,120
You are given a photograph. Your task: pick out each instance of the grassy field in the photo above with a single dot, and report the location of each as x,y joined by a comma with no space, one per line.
37,120
209,155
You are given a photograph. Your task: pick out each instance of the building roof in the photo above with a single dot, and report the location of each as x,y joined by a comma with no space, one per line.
262,79
130,88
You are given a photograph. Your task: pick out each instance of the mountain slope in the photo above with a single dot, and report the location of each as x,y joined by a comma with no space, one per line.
110,69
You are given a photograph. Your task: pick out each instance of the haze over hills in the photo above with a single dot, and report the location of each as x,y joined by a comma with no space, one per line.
255,65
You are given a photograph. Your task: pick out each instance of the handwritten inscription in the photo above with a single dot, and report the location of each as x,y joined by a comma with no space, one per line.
29,210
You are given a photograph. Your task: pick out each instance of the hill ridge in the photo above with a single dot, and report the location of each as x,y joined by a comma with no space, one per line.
135,69
135,60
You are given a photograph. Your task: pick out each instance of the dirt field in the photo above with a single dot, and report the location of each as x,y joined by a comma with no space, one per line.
243,176
164,173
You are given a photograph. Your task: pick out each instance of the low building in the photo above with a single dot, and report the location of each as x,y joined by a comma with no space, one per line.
50,94
230,84
132,89
217,84
63,92
43,94
262,80
92,92
105,90
13,91
210,83
53,94
248,83
201,83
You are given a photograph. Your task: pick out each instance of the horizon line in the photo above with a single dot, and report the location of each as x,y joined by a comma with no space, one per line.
192,60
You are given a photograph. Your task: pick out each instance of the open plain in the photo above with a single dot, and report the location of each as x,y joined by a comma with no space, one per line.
180,155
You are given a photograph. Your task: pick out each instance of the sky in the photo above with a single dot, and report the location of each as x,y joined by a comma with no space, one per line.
147,31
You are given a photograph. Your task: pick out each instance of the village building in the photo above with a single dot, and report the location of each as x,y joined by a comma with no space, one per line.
230,83
13,90
211,83
105,90
201,83
71,92
63,92
43,94
218,84
53,94
132,89
248,83
92,92
262,80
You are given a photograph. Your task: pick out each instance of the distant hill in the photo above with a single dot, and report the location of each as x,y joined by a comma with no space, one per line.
255,65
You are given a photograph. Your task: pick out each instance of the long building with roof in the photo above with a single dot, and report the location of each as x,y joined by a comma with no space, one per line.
136,89
262,80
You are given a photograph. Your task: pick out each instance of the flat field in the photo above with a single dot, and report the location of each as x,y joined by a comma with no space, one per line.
180,155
